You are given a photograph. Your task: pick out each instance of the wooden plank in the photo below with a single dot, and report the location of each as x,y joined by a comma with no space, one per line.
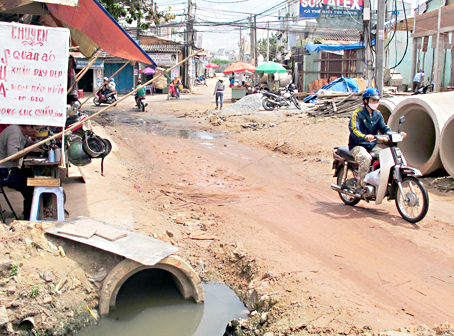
83,231
11,4
43,181
109,233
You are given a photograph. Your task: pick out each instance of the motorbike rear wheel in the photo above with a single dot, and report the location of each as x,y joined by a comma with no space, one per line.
142,106
349,183
96,101
297,103
267,105
415,208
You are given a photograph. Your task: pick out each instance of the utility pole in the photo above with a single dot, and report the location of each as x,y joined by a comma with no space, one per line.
189,44
241,47
255,40
252,40
380,45
368,50
438,53
268,43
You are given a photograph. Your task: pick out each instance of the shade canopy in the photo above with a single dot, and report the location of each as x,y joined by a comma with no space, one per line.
270,67
90,22
148,71
239,67
212,65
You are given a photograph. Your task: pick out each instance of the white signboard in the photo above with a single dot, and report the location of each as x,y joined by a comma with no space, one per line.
165,59
33,74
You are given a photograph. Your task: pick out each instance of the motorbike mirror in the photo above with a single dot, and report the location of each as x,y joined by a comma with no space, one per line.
401,121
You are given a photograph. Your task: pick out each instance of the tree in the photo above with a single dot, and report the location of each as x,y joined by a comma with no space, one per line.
262,46
144,12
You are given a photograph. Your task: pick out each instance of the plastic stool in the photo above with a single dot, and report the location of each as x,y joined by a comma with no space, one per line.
37,192
80,94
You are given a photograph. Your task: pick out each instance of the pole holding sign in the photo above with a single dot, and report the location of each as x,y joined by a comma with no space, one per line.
33,74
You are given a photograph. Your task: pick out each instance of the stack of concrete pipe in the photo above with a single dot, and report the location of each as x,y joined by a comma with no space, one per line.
429,122
387,106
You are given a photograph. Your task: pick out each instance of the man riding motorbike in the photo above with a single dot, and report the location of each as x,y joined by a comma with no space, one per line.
140,92
104,86
111,87
364,124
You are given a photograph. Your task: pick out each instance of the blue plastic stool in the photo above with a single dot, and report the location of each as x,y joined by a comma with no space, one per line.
37,192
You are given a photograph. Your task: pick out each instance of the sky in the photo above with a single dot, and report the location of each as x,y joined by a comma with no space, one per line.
222,37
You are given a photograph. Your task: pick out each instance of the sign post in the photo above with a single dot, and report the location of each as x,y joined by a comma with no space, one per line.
33,74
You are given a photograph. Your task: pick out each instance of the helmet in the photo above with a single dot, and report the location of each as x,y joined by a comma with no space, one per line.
112,80
292,86
371,93
77,155
106,79
93,145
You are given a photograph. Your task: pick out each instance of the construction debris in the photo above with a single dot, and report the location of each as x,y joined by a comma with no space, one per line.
339,105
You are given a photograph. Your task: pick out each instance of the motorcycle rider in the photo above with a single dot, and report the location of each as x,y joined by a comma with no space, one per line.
177,83
364,124
140,92
104,86
111,87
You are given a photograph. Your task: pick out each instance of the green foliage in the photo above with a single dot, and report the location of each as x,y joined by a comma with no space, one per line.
35,291
262,46
144,12
220,62
14,269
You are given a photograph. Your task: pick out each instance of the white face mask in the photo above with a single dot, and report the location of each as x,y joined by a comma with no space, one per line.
374,106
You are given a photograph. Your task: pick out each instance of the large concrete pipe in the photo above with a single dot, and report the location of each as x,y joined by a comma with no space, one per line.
425,116
447,145
387,106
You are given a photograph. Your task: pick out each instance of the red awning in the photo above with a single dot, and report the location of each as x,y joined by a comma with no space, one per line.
92,19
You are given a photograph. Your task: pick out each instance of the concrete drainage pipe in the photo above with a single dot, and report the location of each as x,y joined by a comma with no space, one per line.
447,146
387,106
425,117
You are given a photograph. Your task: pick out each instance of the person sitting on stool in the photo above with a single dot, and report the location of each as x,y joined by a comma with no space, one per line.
13,139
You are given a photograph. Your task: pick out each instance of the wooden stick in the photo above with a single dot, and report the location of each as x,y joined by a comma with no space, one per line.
29,148
84,70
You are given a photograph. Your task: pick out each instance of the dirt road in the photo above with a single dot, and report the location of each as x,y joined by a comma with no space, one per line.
283,234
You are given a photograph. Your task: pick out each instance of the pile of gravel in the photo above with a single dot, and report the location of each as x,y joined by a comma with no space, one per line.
245,105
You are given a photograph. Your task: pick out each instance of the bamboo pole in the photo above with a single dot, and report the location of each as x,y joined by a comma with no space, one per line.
84,70
97,90
29,148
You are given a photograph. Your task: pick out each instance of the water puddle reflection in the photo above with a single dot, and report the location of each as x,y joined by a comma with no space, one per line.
149,303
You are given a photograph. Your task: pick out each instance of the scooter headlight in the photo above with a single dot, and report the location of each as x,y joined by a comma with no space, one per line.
398,153
396,137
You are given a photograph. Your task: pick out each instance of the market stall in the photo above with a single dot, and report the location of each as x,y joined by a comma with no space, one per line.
239,89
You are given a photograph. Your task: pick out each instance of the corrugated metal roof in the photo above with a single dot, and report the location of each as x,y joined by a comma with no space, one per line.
162,47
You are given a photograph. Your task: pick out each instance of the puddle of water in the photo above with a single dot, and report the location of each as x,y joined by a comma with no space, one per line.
149,303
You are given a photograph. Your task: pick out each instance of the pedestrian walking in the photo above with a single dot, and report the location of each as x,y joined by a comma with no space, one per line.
417,80
219,92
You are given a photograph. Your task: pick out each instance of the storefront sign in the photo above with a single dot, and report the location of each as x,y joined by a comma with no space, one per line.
83,62
313,8
165,59
33,74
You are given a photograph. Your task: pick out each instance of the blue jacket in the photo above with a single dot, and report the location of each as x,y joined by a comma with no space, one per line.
362,124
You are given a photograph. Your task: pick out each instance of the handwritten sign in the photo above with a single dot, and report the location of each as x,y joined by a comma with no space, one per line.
33,74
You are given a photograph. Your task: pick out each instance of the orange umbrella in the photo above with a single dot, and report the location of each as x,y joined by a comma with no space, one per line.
239,67
212,65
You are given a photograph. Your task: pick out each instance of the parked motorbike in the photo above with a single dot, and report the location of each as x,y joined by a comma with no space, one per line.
423,89
109,98
278,99
172,93
389,177
200,81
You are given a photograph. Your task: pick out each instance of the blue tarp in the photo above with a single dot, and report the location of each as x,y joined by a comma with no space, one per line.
342,84
329,47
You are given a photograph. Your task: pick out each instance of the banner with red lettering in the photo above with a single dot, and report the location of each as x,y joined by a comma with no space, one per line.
33,74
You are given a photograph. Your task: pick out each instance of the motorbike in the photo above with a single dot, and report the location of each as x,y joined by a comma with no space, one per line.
141,103
200,81
423,89
284,97
389,177
172,92
109,98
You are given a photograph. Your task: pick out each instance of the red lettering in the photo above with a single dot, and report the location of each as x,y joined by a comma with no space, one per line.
25,112
7,110
37,99
2,90
2,72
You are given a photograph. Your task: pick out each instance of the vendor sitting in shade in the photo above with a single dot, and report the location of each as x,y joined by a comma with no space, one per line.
13,139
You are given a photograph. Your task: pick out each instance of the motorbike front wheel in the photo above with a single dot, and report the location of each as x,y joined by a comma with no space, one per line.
267,105
96,101
349,184
416,205
297,103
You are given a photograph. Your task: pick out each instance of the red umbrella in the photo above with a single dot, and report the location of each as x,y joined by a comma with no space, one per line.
212,65
239,67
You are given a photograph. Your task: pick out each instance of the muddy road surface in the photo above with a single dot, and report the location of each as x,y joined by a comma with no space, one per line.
282,238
